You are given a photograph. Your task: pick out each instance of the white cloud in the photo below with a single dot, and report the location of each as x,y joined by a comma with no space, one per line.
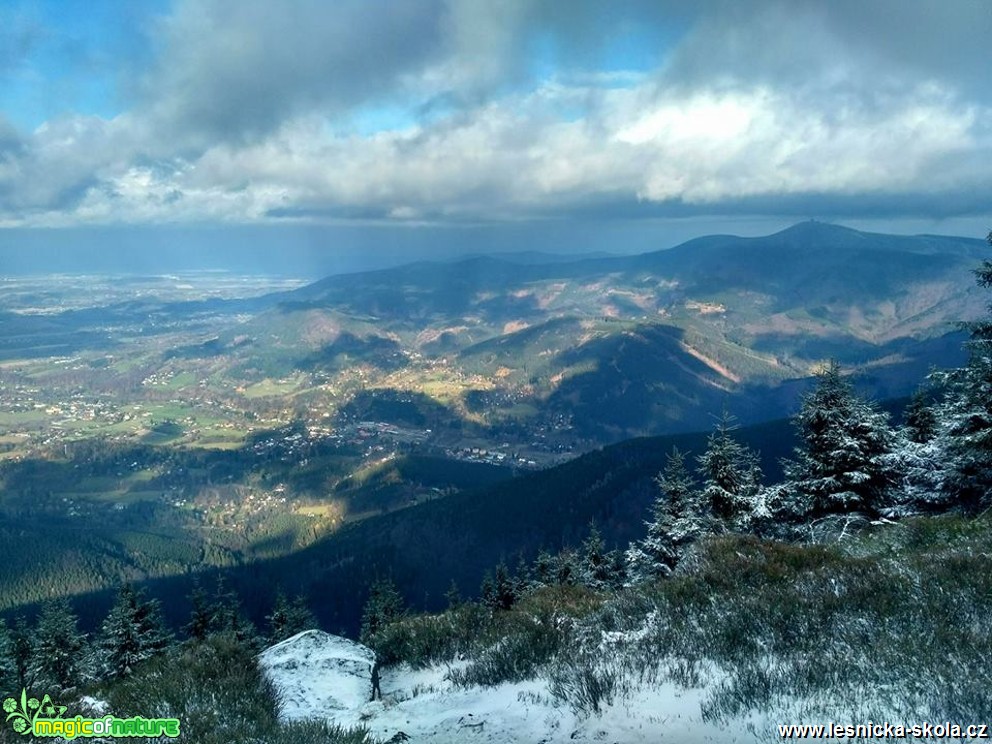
242,116
701,118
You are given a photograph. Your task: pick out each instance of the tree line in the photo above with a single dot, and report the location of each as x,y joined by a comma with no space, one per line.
54,655
851,466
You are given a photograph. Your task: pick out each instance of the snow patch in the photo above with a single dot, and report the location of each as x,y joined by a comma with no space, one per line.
93,706
324,676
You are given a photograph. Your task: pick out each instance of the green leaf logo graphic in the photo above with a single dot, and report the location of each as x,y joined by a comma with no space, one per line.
29,710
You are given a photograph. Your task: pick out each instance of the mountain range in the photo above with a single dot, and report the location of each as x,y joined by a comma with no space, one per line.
629,345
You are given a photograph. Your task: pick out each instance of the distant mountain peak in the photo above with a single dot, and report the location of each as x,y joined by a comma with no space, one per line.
815,228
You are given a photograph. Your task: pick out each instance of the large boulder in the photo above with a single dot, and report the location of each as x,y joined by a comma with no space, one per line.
319,672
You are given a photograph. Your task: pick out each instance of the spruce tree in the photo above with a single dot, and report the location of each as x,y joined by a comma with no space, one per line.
596,566
618,568
566,568
522,581
384,605
487,591
301,617
920,418
278,619
201,620
543,572
919,472
221,613
500,594
289,618
678,518
966,414
58,649
915,462
842,464
133,632
228,616
731,477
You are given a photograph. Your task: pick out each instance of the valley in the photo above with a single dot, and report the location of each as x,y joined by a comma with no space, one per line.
470,353
212,420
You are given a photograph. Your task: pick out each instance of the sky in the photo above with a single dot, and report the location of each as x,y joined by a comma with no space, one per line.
415,126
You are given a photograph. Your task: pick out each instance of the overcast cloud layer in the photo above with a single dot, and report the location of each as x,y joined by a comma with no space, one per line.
475,111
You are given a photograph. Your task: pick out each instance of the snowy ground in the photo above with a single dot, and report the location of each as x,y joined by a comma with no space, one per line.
325,676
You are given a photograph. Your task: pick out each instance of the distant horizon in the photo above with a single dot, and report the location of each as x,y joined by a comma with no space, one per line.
310,252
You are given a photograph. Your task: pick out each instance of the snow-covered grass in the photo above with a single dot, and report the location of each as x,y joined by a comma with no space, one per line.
501,646
888,626
895,624
426,705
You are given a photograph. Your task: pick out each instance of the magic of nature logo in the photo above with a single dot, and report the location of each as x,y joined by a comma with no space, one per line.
44,718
